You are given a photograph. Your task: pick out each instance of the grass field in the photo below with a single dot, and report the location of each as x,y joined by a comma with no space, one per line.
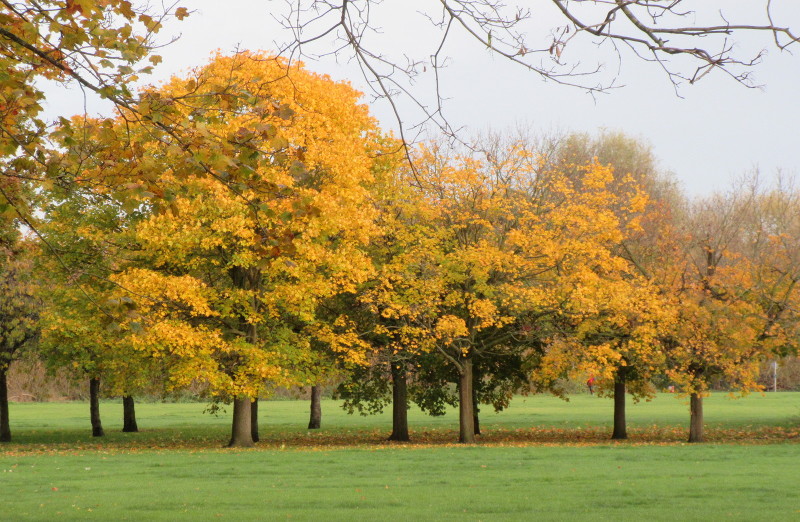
543,459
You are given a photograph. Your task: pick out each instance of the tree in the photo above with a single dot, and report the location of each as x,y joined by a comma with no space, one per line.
83,338
501,241
723,328
389,307
98,46
85,236
616,339
609,316
19,310
618,342
632,160
771,246
237,269
18,304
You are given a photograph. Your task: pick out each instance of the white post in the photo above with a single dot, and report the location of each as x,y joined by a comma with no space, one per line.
774,376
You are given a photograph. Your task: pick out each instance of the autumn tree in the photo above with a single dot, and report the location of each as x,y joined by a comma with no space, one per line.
632,159
85,236
18,305
390,307
396,312
326,362
771,246
500,238
258,223
618,342
608,319
19,311
733,303
405,366
75,337
611,330
99,46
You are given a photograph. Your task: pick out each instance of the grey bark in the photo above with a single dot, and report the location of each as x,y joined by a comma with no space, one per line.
399,403
620,424
94,407
466,413
129,415
315,420
5,426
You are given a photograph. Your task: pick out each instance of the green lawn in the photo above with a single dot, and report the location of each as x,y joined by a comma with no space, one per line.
284,422
467,483
175,468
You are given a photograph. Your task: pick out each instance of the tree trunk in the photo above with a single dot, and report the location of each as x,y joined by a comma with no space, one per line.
129,415
254,420
244,429
466,413
315,421
399,403
696,418
620,428
5,427
475,406
241,433
94,407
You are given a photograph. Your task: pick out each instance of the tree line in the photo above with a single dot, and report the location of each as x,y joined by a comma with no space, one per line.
248,226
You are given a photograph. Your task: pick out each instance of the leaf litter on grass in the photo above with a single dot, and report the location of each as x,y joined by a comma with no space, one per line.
376,439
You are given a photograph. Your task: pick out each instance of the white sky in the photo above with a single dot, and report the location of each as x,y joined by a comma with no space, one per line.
714,132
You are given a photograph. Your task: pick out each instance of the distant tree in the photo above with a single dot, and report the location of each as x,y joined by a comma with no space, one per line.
19,311
85,236
734,291
618,342
771,247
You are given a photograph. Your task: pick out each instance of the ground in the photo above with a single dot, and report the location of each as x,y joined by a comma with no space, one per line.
543,459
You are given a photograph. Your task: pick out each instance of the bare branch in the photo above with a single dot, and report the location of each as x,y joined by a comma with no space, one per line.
659,31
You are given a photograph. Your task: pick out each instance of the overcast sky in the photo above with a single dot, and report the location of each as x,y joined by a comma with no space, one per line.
715,131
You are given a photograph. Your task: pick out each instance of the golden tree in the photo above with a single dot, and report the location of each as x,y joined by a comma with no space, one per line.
260,212
618,340
498,245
